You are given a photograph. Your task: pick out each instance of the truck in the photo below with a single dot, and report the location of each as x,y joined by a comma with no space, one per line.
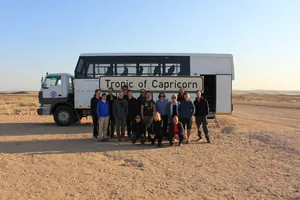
67,97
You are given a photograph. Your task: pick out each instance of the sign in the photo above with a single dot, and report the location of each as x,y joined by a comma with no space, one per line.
153,83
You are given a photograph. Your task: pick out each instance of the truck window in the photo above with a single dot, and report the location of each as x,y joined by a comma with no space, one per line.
51,81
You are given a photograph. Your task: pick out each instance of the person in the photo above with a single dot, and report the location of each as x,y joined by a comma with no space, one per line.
125,90
93,110
147,110
186,111
103,117
138,130
155,129
120,110
132,112
161,105
140,99
176,131
172,107
180,96
202,109
111,124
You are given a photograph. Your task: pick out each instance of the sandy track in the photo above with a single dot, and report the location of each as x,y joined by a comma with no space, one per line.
255,155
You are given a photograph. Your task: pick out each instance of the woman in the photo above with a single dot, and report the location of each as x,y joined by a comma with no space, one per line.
93,109
155,129
103,117
138,130
161,107
176,131
172,108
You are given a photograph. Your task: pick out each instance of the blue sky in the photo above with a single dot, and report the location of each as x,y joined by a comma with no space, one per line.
47,36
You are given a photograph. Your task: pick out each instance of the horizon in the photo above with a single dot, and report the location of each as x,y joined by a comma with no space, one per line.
39,37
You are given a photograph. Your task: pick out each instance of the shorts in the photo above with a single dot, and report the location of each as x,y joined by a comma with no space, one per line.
186,122
148,121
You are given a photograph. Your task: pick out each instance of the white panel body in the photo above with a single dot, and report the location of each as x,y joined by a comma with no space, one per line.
224,94
212,65
84,91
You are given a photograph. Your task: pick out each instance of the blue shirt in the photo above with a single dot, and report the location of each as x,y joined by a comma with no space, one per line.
161,106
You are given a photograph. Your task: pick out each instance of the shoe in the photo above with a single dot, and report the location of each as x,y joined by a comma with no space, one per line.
105,139
159,145
180,144
171,144
208,141
187,141
199,139
101,140
94,138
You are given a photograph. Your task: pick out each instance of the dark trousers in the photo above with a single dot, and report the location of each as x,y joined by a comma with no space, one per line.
165,125
111,126
138,136
129,126
171,135
159,136
96,127
120,126
202,120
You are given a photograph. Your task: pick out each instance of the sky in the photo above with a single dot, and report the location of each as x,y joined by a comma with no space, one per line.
48,36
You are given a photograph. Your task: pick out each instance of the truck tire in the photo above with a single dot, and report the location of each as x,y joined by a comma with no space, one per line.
64,116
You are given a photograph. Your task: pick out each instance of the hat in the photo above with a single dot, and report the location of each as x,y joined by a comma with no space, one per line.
103,94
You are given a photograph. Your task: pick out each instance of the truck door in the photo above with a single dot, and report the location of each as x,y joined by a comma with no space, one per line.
53,87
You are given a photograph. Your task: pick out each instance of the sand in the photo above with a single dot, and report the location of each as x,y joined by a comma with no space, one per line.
255,154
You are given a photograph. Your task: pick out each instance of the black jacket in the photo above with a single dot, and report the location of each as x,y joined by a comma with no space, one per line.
111,100
155,127
180,98
201,107
93,106
139,100
138,128
132,108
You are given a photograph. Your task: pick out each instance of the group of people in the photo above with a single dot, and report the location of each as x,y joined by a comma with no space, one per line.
146,119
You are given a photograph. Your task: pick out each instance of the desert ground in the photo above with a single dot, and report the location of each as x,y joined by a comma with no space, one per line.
254,154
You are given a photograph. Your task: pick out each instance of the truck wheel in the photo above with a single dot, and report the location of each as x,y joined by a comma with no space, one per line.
64,116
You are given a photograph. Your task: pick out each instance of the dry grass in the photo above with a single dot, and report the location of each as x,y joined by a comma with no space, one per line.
18,104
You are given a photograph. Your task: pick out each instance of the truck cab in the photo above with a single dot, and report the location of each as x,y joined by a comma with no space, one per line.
56,97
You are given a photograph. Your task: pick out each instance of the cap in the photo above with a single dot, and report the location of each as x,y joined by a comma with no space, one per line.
103,94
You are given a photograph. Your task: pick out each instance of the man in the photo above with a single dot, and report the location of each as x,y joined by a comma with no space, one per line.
202,109
140,99
180,96
93,109
111,125
161,108
172,108
147,110
103,117
120,110
132,112
186,112
125,90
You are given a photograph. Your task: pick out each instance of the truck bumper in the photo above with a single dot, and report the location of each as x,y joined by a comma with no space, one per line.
43,111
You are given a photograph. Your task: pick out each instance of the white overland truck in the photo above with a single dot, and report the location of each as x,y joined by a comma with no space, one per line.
67,97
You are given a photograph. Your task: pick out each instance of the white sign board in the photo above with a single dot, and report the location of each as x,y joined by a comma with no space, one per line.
153,83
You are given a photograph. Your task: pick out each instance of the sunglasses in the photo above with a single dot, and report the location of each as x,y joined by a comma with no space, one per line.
161,96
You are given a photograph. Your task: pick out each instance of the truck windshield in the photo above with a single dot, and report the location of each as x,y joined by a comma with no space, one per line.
51,81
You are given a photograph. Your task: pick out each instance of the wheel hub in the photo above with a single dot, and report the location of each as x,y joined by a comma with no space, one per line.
63,116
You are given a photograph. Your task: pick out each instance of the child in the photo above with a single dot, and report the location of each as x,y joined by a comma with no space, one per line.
176,130
138,130
155,129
